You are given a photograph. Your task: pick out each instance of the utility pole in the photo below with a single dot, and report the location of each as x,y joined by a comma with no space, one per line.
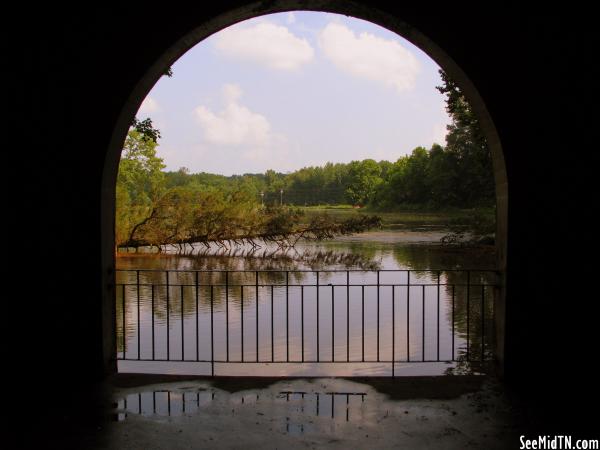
262,198
280,197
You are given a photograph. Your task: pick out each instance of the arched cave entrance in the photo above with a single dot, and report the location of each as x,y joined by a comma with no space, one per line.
209,27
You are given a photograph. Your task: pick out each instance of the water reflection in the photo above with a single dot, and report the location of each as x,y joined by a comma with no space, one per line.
299,406
443,315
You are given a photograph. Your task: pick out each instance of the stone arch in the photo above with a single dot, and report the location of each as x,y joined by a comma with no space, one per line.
208,27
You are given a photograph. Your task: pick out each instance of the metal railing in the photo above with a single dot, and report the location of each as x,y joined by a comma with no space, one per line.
304,316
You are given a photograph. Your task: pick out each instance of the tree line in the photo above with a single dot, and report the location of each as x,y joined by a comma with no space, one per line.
457,174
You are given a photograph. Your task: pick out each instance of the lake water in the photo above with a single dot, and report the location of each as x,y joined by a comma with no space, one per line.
367,312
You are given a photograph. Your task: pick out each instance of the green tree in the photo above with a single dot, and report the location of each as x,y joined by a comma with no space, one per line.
442,176
416,182
140,182
145,128
467,144
364,178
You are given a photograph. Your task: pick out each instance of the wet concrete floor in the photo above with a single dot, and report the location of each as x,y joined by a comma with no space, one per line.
150,412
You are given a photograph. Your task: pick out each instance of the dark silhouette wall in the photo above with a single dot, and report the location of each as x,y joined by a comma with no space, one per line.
72,71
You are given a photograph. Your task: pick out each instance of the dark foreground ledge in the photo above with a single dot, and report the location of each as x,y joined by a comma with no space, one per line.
399,388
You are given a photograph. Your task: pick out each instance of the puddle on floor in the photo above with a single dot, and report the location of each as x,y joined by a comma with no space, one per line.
320,413
298,409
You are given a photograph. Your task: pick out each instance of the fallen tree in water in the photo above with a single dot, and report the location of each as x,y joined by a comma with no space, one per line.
183,219
269,258
477,228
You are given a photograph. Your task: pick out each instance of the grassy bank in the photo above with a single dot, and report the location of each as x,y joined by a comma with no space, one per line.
393,219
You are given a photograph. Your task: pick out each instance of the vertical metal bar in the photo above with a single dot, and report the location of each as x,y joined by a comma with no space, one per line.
347,407
287,316
318,349
138,315
242,320
453,296
347,316
332,324
302,318
168,314
363,322
182,328
438,315
197,319
408,315
227,316
423,328
152,319
378,316
468,310
393,330
332,404
256,298
212,335
124,319
317,403
482,322
272,329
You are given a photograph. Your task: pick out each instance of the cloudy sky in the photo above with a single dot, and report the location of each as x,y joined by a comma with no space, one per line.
289,90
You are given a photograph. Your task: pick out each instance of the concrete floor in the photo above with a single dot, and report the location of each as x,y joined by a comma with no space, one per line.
154,412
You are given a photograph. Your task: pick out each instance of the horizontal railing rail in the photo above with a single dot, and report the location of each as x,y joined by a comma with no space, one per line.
305,316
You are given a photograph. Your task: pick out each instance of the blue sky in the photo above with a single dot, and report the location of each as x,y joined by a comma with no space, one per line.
289,90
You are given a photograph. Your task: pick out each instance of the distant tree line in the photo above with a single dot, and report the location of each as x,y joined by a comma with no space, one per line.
458,174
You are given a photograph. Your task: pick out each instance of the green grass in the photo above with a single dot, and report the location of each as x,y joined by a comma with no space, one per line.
327,207
392,219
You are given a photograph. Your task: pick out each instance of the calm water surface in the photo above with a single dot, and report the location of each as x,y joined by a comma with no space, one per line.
421,322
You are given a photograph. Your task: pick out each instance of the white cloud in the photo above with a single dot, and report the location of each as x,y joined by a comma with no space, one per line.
371,57
265,43
235,124
148,106
246,140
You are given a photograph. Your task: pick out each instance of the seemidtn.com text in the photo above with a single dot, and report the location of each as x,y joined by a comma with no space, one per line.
557,442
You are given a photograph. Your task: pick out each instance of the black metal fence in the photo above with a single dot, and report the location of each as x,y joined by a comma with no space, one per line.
305,317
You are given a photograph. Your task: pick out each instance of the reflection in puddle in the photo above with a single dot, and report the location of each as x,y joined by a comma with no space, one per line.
319,398
454,412
163,403
298,408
